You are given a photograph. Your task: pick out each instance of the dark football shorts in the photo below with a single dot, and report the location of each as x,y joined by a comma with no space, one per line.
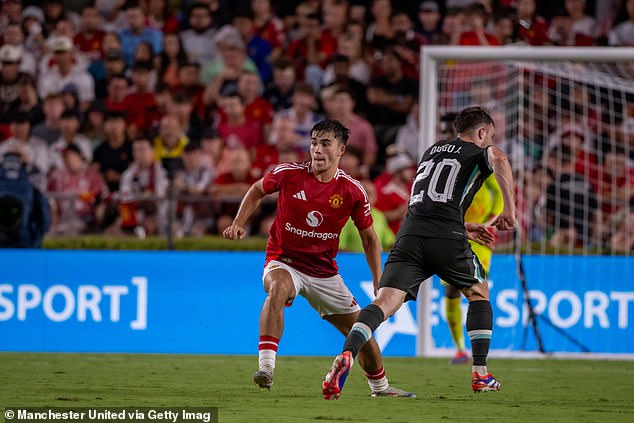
414,259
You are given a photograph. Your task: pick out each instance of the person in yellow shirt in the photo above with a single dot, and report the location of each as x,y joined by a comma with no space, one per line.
350,240
171,141
486,205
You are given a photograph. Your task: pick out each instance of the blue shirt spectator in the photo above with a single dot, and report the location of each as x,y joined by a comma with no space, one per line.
138,32
258,49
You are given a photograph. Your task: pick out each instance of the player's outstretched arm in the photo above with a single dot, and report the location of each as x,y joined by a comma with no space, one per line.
249,204
504,176
372,249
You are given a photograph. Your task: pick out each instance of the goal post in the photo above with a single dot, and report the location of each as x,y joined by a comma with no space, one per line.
563,75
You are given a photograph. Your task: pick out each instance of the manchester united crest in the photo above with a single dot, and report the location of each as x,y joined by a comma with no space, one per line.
336,201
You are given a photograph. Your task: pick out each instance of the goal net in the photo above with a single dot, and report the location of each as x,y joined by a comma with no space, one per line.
568,129
565,119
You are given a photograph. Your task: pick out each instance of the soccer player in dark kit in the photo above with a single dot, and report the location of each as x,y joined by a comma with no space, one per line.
433,240
315,201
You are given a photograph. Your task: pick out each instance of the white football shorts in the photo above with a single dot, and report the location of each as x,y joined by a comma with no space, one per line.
326,295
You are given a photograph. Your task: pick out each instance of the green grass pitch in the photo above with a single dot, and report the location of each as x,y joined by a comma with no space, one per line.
541,391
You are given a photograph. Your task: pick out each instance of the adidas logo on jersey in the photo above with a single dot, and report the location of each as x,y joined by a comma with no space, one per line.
300,195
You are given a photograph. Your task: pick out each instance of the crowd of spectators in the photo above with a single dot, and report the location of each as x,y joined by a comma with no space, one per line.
117,105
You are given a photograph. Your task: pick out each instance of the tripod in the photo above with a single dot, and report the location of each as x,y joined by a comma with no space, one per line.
532,316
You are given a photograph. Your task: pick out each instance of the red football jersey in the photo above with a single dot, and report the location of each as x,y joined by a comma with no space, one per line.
310,215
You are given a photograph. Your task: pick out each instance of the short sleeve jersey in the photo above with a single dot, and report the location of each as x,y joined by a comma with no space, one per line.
447,178
310,216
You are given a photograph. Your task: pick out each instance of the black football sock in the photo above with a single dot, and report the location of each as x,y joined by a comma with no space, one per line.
368,320
479,329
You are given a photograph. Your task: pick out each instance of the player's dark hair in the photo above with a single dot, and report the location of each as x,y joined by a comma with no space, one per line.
472,117
335,127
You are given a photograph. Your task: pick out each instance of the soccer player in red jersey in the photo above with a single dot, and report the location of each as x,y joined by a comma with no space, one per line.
315,200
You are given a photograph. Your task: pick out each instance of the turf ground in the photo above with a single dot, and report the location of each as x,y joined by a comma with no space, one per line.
533,390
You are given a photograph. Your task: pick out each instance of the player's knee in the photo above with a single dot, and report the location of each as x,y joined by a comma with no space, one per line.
280,290
478,292
389,300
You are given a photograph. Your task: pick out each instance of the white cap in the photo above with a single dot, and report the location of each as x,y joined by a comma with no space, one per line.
428,6
398,162
60,43
33,12
229,36
10,53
